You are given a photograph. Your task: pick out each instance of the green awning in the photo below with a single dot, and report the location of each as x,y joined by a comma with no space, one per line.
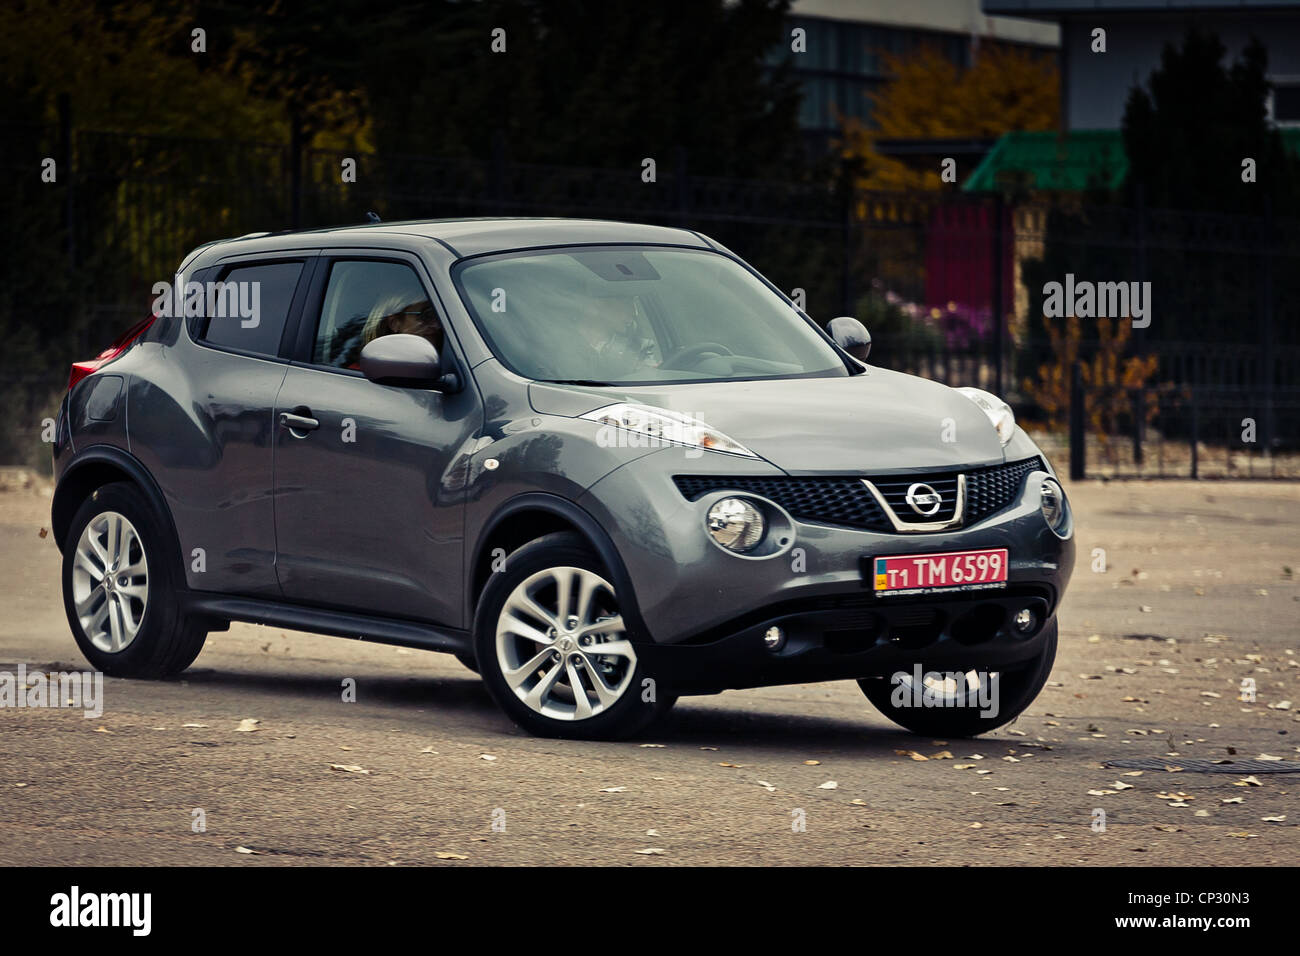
1070,162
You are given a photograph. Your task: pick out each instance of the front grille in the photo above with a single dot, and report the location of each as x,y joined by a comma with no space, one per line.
846,501
989,490
831,500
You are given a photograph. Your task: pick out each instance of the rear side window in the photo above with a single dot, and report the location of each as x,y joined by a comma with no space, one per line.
247,310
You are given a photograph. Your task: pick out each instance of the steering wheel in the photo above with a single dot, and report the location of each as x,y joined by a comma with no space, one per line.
693,351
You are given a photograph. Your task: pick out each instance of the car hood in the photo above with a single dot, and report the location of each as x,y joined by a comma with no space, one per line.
878,422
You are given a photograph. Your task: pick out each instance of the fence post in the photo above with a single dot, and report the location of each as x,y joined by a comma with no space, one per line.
1077,419
295,170
680,174
1139,423
999,310
1196,434
848,181
1267,346
69,176
499,171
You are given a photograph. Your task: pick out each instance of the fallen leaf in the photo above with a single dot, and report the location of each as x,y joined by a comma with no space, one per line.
247,725
348,768
613,790
828,785
444,855
244,849
651,851
1280,818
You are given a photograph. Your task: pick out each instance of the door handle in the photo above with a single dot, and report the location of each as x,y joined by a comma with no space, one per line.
298,425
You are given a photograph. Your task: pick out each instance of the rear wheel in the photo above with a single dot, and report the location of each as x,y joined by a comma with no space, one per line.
120,575
554,650
961,704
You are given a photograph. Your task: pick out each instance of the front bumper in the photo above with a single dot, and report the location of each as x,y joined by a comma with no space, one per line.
706,610
855,636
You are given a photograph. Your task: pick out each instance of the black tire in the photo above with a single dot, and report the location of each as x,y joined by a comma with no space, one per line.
167,640
469,661
629,714
1016,691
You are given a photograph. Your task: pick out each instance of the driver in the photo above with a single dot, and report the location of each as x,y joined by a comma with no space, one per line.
609,343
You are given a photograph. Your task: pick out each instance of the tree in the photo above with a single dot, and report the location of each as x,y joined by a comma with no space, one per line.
604,84
930,97
1188,130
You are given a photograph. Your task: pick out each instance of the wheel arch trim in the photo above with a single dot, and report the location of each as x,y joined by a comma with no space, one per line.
585,524
68,496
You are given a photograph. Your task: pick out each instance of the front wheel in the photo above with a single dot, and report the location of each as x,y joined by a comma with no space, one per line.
961,704
554,650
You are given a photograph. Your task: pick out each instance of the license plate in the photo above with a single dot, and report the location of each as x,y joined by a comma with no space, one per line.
953,571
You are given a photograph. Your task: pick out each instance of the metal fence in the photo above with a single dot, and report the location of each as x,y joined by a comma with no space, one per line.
950,285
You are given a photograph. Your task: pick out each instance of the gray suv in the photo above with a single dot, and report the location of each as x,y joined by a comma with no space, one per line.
603,464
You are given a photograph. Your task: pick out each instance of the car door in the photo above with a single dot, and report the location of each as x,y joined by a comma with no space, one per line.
204,427
369,506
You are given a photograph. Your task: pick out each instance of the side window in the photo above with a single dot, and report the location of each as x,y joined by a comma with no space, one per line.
367,299
248,309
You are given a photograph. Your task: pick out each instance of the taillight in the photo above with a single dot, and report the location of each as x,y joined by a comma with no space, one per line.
81,369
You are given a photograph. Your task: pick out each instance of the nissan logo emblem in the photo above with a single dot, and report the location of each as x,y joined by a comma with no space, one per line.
923,499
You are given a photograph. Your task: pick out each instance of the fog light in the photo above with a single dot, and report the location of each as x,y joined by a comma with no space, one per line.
735,524
774,638
1025,620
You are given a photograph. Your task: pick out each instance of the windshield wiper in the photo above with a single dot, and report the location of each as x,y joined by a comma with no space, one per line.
579,381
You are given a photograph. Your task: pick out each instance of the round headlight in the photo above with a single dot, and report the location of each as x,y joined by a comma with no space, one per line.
1053,504
735,524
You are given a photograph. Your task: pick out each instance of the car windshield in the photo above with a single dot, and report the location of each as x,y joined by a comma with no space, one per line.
634,315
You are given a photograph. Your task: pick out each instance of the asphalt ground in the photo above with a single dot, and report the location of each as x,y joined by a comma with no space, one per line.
256,743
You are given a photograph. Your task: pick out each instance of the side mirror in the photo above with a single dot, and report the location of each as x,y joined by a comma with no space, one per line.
851,335
409,361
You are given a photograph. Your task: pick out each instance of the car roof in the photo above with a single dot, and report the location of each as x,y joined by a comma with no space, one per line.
472,237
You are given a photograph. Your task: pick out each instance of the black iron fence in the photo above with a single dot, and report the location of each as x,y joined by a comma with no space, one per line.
952,286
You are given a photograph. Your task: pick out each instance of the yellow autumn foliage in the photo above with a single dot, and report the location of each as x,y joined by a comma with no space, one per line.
929,97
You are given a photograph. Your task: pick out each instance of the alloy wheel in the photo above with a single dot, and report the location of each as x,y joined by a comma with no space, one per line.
562,645
110,582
